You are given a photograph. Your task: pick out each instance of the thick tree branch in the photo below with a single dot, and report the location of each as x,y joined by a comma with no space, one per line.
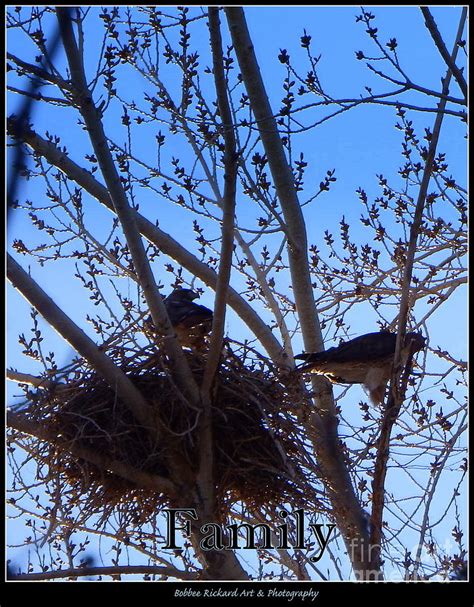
206,467
160,570
438,40
92,118
282,178
20,422
51,312
228,200
43,383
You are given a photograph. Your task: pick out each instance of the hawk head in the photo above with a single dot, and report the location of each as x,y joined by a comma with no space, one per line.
181,294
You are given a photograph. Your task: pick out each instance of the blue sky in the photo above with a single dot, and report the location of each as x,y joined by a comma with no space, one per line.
358,145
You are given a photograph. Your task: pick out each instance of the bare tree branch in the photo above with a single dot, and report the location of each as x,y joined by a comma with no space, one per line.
20,422
159,570
91,115
43,383
282,178
286,360
51,312
228,201
39,72
438,40
434,480
24,117
396,395
206,452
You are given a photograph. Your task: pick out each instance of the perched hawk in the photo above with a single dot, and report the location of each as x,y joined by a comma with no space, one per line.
191,321
366,360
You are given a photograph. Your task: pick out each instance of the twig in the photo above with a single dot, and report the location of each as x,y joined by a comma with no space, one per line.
269,297
430,492
38,96
39,72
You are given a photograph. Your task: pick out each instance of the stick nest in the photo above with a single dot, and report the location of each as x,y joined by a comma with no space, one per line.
256,455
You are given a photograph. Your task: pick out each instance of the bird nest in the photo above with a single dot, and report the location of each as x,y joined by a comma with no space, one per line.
257,459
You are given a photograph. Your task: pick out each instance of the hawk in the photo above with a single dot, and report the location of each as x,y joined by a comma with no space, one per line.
191,321
366,360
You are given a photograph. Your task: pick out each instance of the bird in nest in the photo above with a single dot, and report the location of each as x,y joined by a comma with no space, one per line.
365,360
191,321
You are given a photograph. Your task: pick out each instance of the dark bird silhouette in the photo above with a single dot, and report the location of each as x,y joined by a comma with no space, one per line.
366,360
191,321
